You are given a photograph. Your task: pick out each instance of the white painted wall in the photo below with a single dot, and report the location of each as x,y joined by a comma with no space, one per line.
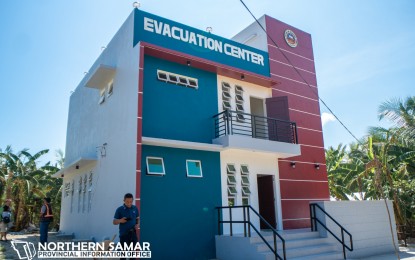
114,122
249,90
258,163
368,223
253,35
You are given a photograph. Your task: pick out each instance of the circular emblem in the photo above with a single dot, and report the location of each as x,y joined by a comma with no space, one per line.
290,38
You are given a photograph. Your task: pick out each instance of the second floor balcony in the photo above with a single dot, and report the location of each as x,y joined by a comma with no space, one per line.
238,130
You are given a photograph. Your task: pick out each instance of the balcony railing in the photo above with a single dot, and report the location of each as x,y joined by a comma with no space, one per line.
238,123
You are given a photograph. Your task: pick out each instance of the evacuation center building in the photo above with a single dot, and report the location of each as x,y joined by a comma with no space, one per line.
188,121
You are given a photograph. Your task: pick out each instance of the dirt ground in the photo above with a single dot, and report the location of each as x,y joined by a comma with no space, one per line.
6,250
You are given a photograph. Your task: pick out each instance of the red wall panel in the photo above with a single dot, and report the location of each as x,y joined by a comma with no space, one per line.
304,104
310,137
300,89
304,190
302,171
310,154
297,61
306,120
294,209
299,223
289,72
304,99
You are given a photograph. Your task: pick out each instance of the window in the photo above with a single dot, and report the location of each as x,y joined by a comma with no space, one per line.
232,191
245,201
226,96
110,88
155,166
67,189
79,194
177,79
183,81
84,195
226,86
194,168
246,191
161,75
240,117
238,89
102,97
231,201
244,169
72,193
239,108
231,179
231,168
239,98
172,78
245,180
226,105
193,83
90,191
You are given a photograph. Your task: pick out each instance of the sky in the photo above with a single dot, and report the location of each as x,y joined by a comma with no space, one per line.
364,54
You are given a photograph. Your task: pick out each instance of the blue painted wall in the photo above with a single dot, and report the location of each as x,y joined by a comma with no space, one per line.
177,212
176,112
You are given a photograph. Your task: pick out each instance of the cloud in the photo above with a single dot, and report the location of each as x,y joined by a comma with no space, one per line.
327,117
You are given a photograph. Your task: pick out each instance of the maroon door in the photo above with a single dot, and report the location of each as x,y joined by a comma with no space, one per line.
266,200
277,108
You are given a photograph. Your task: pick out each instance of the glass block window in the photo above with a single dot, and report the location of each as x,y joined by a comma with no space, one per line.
244,169
232,191
245,201
231,168
177,79
245,180
246,191
226,96
67,189
231,201
239,101
102,97
110,88
231,179
155,166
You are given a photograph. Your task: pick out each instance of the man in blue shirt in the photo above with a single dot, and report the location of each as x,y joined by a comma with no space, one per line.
127,217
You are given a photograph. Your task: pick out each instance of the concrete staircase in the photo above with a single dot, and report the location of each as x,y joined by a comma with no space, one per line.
300,244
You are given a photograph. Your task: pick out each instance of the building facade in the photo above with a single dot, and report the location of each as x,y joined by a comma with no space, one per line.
188,121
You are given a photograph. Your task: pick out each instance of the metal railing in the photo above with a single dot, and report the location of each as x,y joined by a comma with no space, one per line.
314,220
247,226
238,123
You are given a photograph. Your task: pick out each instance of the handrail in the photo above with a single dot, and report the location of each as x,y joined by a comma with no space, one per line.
314,220
231,122
243,113
246,213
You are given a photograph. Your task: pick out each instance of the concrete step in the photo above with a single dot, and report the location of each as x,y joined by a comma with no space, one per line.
303,251
332,255
291,244
287,235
